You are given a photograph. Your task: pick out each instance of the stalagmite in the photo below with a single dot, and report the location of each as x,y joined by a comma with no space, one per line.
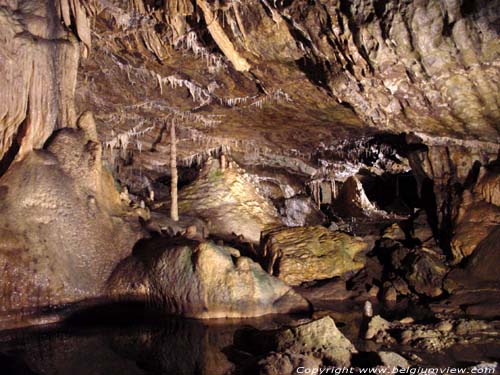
368,309
174,210
223,162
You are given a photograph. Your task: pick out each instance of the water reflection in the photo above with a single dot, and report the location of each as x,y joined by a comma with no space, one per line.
181,347
176,346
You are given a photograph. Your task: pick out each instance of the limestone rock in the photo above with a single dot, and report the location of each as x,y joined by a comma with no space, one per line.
474,289
229,202
478,213
301,254
390,294
301,211
377,327
39,78
473,226
320,338
201,280
162,223
63,226
286,363
425,273
488,185
393,360
394,232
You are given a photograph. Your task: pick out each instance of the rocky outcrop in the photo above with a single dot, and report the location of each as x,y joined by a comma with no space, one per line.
300,211
229,202
310,346
302,254
321,337
201,280
427,67
446,174
63,227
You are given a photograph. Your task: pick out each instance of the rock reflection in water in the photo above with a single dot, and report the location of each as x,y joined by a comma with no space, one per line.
176,346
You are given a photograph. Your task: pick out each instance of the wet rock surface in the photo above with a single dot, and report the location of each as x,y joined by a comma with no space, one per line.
433,337
339,109
200,280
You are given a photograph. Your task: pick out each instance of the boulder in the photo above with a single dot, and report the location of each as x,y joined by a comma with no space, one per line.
321,337
393,360
229,202
475,220
425,272
302,254
200,280
63,227
475,288
311,345
377,328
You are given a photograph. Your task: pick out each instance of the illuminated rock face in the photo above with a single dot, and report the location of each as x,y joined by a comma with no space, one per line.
302,254
229,202
201,280
273,82
62,226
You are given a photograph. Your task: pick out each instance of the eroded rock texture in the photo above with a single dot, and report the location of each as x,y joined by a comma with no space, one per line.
201,280
427,66
63,227
301,87
38,64
229,202
302,254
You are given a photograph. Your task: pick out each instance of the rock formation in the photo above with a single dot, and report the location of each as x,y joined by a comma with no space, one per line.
302,254
229,202
201,280
63,227
375,119
39,62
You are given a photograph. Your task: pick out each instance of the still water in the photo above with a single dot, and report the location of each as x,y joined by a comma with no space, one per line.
173,346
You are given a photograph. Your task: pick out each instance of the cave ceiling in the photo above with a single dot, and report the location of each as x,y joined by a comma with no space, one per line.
282,78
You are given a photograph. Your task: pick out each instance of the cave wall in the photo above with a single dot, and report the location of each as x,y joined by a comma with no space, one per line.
38,65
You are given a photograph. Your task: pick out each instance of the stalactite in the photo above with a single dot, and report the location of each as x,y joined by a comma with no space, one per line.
78,13
190,42
121,141
222,40
198,94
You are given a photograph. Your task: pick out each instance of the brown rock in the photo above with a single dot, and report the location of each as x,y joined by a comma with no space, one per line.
320,337
301,254
64,224
201,280
39,78
229,202
352,200
390,294
426,272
